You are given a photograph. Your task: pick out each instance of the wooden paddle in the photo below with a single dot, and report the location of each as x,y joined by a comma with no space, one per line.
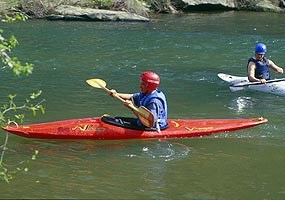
145,116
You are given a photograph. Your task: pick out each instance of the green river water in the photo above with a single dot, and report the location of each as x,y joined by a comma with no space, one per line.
187,51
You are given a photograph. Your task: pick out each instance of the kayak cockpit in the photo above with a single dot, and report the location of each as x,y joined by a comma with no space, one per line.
127,122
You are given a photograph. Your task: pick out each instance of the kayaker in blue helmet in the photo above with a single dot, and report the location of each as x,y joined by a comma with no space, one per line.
258,67
149,97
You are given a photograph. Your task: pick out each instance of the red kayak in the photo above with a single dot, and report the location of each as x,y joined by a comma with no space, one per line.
113,128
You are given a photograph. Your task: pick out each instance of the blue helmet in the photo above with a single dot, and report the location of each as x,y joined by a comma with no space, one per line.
260,48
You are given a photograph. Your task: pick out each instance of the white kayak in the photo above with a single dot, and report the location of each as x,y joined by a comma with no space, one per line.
237,83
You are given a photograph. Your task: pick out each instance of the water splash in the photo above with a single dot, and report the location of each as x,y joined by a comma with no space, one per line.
166,150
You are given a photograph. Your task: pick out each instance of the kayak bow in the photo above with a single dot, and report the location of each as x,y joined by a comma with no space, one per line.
109,128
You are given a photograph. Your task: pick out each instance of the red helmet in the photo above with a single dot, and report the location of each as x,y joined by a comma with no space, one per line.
151,79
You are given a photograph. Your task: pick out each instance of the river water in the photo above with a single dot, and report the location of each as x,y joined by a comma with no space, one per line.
187,51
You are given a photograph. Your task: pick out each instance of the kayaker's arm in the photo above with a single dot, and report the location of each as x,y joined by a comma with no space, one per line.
124,96
251,73
276,68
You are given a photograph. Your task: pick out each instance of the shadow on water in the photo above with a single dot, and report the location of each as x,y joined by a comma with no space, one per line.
164,150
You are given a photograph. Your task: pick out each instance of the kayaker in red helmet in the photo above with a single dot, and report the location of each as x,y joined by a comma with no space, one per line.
149,97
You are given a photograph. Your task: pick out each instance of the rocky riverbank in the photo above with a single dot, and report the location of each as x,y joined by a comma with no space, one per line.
132,10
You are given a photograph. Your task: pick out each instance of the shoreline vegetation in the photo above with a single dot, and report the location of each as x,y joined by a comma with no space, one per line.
128,10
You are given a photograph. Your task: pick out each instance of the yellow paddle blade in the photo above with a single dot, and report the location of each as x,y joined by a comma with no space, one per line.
145,116
97,83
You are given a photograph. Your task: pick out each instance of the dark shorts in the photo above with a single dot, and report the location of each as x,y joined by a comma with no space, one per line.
127,122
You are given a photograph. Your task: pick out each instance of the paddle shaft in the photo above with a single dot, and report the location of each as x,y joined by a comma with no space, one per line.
145,116
257,83
131,106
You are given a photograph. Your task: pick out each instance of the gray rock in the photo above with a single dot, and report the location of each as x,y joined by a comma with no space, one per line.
67,12
225,3
266,5
261,5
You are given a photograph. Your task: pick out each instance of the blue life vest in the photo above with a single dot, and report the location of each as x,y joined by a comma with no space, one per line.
262,68
159,99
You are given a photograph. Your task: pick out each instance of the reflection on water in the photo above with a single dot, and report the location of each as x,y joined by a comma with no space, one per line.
166,150
110,164
240,104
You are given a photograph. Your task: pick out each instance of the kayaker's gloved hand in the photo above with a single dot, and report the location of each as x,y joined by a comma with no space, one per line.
127,103
113,92
262,80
